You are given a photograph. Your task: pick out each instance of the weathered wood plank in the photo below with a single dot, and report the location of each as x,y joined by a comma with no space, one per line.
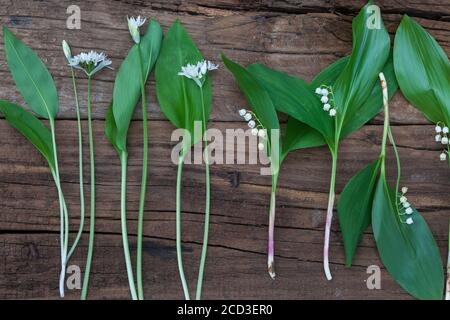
301,44
29,217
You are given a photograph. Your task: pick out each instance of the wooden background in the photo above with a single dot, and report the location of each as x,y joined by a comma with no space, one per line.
300,37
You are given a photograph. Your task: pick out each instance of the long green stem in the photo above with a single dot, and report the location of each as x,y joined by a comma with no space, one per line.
80,166
201,270
329,218
140,286
178,225
63,213
271,238
123,220
386,124
92,216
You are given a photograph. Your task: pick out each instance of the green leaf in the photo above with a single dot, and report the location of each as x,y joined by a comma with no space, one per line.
300,136
355,207
329,75
31,76
374,103
127,86
409,252
369,55
30,127
111,128
179,97
423,70
293,96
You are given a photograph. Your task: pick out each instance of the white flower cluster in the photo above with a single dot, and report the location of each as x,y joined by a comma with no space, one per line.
133,26
405,207
90,62
255,125
328,102
197,71
442,137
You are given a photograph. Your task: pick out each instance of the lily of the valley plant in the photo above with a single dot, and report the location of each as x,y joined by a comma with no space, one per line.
90,63
404,241
129,85
426,86
38,89
183,88
341,99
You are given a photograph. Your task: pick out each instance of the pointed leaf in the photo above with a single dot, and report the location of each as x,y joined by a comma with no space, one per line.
111,128
31,76
179,97
355,207
127,85
369,55
423,70
409,252
31,128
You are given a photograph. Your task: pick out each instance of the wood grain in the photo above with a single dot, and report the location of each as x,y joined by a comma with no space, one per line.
300,37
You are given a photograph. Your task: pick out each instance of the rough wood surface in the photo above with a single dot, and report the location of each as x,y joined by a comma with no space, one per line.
300,37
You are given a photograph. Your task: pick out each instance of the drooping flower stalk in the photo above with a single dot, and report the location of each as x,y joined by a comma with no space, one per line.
329,106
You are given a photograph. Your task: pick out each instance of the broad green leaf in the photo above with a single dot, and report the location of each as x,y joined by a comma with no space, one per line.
111,128
329,75
179,97
31,128
355,207
369,55
293,96
300,136
374,102
31,76
408,252
127,86
423,70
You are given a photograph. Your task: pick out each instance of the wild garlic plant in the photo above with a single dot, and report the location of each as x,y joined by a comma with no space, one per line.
183,89
90,63
426,86
38,89
404,241
129,86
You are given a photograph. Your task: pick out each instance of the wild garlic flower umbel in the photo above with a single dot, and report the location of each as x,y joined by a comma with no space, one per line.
133,25
90,62
327,98
442,137
256,126
198,71
404,208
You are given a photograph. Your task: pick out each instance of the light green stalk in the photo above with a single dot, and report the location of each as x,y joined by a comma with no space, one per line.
207,203
178,224
140,286
80,166
123,220
92,207
64,219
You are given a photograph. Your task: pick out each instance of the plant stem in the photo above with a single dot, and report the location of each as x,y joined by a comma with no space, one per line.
92,206
447,291
123,219
271,242
63,213
178,225
386,124
140,286
207,203
80,165
329,219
